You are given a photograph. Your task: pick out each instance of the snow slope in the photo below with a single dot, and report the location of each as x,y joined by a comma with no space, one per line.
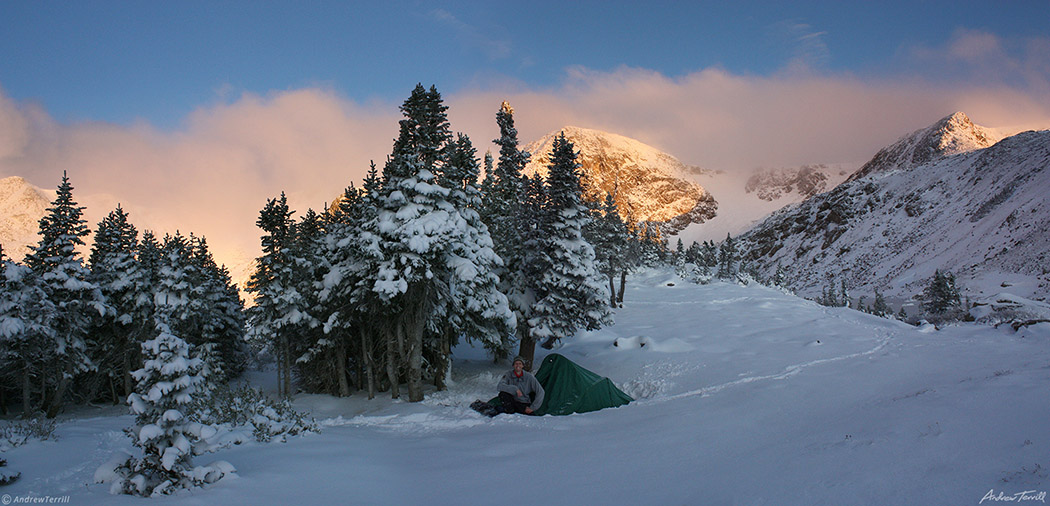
746,395
981,214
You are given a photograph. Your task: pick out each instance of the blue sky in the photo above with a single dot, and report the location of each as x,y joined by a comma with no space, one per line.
185,111
157,61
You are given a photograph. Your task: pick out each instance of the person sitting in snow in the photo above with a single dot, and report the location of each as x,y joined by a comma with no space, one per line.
519,391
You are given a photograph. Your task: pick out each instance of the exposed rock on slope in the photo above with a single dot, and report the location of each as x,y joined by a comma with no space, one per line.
650,185
771,184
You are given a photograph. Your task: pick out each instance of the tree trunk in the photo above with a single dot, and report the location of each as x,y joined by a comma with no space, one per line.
287,362
612,290
27,392
391,364
527,349
340,361
623,283
366,356
129,387
415,357
444,364
56,402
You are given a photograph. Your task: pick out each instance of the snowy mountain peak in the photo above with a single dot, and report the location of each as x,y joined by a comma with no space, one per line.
952,135
650,185
22,205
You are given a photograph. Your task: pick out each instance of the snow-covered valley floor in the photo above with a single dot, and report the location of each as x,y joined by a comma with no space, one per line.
745,396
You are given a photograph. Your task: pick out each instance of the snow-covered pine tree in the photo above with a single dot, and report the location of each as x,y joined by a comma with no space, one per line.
476,308
879,307
353,255
27,330
512,226
727,259
274,300
144,275
322,331
417,225
941,299
611,241
572,292
112,263
692,253
219,323
679,253
66,281
167,383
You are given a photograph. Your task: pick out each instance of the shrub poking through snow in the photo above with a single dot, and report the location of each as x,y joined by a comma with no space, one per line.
167,382
20,432
7,476
249,407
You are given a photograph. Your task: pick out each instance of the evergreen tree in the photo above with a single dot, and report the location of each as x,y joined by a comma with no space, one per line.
727,259
879,307
27,330
679,253
167,383
572,291
611,242
649,244
218,324
112,263
66,282
417,225
509,208
478,309
271,281
941,297
780,277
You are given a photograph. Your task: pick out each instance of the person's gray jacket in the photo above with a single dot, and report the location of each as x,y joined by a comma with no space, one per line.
527,383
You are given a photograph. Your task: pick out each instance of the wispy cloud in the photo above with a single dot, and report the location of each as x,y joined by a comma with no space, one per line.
806,45
981,57
472,37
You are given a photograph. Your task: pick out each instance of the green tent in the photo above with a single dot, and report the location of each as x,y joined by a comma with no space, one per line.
569,388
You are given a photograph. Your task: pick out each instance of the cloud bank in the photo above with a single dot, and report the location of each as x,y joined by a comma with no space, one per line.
213,174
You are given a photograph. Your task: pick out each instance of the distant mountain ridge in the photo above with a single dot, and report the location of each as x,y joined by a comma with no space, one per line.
650,185
944,197
771,184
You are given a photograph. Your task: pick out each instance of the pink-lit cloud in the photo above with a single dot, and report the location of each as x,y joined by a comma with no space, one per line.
213,174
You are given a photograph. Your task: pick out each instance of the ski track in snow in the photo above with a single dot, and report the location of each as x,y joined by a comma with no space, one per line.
788,372
883,338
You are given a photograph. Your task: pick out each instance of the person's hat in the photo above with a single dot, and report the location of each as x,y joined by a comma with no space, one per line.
518,359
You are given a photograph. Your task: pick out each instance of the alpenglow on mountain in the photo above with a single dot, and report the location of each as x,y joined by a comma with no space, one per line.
21,206
650,185
946,197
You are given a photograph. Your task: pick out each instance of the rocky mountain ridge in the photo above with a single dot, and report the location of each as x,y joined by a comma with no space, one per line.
650,185
937,199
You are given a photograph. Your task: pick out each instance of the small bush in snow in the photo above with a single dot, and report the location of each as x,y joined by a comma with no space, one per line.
249,407
7,476
20,432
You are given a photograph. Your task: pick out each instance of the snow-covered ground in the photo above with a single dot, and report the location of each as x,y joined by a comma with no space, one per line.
745,396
